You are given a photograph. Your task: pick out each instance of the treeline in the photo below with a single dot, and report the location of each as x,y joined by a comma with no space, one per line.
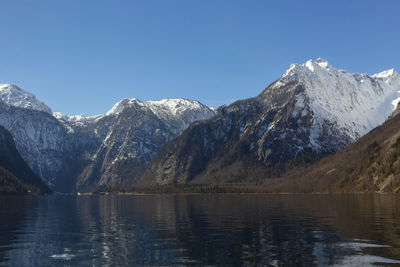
237,188
10,185
378,169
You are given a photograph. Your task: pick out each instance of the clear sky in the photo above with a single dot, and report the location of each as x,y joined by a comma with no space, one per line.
83,56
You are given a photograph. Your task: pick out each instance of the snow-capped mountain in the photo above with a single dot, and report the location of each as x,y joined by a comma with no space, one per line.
41,140
356,102
128,136
84,152
312,110
17,97
178,112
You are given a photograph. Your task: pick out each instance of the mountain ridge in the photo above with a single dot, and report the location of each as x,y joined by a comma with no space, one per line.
291,122
311,111
81,152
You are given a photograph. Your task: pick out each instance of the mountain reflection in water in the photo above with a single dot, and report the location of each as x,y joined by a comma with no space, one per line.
271,230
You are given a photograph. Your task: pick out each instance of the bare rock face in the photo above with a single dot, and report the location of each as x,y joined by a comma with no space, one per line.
40,139
16,177
311,111
75,153
116,146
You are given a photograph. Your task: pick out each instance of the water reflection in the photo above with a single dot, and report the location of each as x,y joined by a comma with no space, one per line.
272,230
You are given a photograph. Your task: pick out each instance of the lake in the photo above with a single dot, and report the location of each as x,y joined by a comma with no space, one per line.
235,230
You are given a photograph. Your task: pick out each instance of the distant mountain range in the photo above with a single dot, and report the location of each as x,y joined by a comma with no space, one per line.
84,153
312,111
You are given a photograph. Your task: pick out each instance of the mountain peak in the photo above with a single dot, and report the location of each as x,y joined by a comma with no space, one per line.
356,102
121,105
13,95
176,107
311,64
176,103
322,62
386,74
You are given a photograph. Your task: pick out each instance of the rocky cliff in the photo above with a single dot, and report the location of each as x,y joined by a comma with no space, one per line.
75,153
311,111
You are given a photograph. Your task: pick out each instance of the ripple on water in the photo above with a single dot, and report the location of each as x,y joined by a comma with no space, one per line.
200,230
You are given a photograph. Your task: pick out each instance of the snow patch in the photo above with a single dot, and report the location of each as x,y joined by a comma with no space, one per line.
355,102
385,74
75,118
396,102
322,63
309,65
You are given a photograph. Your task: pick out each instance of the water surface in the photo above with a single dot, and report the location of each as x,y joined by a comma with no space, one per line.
237,230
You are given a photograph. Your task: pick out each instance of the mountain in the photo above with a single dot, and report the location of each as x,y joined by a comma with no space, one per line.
82,153
371,164
16,177
18,97
41,140
313,110
116,146
39,137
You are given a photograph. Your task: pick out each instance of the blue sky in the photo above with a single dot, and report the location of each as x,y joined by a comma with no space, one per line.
83,56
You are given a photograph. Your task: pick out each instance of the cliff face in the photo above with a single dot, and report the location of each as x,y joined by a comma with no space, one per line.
40,139
313,110
83,153
16,177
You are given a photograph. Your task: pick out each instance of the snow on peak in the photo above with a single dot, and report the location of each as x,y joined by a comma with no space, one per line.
14,96
75,118
311,65
177,112
121,105
386,74
175,106
322,63
356,102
